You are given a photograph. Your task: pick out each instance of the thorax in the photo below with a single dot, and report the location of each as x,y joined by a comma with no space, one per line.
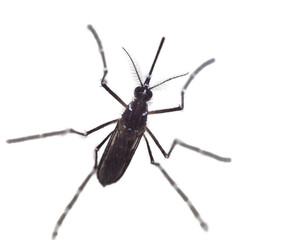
134,117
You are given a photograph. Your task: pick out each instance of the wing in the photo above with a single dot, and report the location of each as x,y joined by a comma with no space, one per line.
117,155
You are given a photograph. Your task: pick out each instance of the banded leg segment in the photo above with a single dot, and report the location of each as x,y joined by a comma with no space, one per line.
105,70
62,132
192,76
178,142
203,224
79,191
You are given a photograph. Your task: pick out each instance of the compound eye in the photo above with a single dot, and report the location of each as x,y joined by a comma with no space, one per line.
148,94
138,92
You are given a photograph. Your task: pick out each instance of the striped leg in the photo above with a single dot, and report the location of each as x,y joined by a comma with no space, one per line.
70,205
178,190
62,132
192,76
105,70
176,141
79,191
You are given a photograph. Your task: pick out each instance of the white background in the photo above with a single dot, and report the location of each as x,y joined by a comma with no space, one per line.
50,69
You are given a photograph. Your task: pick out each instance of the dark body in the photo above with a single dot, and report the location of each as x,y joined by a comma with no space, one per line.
123,143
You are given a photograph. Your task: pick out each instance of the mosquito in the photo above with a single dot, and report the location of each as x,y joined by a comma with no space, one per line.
130,129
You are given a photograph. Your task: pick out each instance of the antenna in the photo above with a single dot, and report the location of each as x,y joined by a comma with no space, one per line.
152,66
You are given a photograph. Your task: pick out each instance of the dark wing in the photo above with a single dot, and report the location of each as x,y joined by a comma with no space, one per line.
117,155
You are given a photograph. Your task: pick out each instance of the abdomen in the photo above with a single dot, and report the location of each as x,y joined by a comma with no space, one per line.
117,155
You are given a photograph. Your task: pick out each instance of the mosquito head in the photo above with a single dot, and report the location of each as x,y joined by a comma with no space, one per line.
143,93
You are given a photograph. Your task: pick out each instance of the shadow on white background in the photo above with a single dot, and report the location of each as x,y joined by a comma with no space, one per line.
50,72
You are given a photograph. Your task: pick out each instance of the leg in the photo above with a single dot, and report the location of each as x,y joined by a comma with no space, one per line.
178,190
103,81
55,133
179,108
80,189
176,141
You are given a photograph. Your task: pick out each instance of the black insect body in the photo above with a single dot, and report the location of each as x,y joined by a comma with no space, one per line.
123,143
125,138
